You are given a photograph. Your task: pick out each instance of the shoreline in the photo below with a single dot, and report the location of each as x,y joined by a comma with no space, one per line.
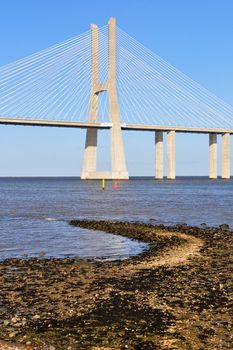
175,295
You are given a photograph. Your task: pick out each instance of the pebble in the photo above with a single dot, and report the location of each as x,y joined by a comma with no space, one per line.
36,317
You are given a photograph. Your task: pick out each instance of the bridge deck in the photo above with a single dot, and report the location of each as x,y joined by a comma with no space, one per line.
54,123
181,129
99,125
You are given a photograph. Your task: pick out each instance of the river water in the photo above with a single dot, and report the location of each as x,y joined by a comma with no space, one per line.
34,212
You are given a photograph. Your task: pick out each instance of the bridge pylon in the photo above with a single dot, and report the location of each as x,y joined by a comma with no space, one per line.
118,170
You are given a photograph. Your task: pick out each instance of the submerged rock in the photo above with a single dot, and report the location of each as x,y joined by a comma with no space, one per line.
224,227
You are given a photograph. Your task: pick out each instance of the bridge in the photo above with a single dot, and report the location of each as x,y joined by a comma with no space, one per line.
105,79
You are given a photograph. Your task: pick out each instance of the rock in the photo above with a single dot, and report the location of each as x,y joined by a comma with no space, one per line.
224,227
42,253
14,319
221,286
12,334
36,317
18,324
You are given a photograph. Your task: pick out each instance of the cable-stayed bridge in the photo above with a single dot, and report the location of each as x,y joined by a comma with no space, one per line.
105,79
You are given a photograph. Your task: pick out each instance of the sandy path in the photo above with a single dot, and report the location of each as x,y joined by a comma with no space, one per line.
170,257
174,256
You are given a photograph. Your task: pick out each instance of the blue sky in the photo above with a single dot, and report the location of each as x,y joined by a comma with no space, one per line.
195,36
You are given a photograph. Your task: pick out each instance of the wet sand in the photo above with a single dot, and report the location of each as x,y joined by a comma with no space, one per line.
177,295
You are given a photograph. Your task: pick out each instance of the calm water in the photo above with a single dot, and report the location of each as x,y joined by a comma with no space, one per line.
34,212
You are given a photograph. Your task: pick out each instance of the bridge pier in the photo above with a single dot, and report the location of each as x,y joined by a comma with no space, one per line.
171,155
119,170
226,155
159,155
213,165
90,153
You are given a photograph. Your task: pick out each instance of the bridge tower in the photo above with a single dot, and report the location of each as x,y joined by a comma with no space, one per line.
118,170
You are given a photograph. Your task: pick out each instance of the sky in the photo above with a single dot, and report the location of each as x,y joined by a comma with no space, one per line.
195,36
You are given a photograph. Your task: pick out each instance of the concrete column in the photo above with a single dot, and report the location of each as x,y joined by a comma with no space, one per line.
90,152
159,155
171,166
119,170
213,164
226,155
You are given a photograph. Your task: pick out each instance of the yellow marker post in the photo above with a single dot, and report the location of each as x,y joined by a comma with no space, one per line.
103,184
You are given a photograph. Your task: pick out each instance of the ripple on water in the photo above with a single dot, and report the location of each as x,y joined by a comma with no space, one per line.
34,212
53,237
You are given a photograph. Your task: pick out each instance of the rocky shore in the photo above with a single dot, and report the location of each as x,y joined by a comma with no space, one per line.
176,295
